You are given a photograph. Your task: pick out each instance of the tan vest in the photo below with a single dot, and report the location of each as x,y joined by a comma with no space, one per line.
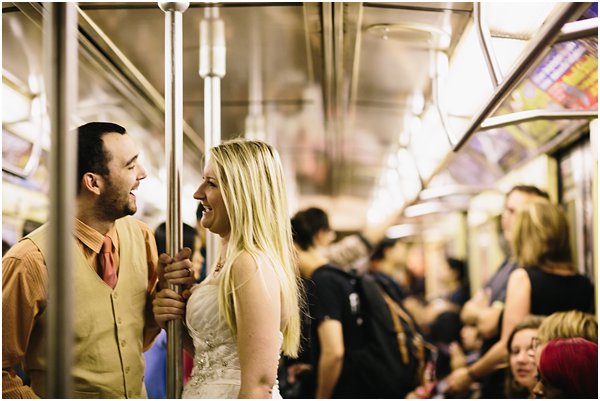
108,324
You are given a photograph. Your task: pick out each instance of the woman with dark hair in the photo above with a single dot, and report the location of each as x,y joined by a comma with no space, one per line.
460,292
568,369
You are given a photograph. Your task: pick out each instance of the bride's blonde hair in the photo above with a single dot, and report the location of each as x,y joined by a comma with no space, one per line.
250,176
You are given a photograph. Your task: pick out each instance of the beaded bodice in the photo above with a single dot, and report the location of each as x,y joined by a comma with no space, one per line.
216,371
216,357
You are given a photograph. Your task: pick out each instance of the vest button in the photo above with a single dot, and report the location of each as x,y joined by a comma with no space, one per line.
123,343
115,295
127,369
119,321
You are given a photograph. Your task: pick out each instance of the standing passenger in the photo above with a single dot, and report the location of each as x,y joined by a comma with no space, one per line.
387,255
352,252
246,311
115,270
334,326
485,308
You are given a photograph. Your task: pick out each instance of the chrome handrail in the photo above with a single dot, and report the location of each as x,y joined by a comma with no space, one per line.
532,54
485,40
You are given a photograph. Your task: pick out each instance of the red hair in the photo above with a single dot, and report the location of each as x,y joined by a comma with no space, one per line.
571,365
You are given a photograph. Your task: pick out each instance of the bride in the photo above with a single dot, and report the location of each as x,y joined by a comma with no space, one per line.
246,311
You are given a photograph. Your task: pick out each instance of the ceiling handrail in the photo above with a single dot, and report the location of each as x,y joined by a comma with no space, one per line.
530,56
533,115
579,29
534,52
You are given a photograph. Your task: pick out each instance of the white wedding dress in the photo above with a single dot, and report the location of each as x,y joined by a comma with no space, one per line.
216,371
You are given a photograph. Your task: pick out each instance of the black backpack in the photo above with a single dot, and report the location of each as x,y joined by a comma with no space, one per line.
391,362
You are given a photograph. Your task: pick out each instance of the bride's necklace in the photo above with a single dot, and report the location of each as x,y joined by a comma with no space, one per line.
219,266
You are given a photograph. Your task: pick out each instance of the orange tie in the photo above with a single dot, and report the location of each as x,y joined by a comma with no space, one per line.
110,275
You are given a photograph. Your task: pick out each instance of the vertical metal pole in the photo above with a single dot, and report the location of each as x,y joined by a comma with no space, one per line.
60,38
485,40
255,120
173,156
436,83
212,69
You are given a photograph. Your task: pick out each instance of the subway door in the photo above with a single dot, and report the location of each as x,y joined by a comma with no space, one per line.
577,170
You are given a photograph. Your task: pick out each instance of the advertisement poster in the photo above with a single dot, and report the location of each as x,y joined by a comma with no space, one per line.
569,74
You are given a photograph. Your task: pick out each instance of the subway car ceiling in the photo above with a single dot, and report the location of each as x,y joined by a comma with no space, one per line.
373,106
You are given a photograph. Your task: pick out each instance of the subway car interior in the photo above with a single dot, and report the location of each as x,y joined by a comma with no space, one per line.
424,112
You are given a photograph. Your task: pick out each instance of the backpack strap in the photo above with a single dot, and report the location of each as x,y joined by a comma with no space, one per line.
400,334
418,342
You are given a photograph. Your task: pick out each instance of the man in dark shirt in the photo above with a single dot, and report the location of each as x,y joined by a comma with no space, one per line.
332,327
338,326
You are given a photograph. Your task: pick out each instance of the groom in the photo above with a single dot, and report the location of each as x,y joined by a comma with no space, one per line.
115,272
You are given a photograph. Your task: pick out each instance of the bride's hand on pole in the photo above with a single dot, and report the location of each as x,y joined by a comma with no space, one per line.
177,270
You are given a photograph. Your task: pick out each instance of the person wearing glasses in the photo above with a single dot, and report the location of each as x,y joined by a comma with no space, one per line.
546,282
569,324
522,373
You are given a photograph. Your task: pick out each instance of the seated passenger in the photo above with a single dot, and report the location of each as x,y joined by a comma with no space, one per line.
469,352
444,332
568,369
569,324
522,375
